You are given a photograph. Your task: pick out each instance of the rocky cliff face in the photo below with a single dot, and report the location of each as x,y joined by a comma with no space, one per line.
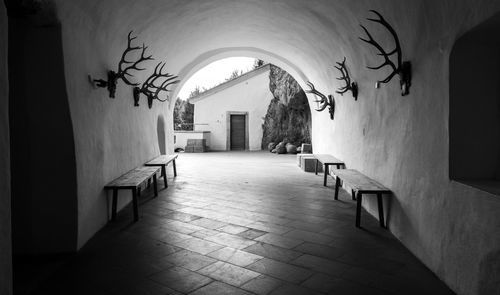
288,116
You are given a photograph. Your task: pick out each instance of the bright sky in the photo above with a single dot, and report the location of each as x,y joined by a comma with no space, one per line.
215,73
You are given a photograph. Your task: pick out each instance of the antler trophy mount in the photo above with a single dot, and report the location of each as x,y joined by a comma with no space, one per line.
152,87
403,69
352,86
324,101
124,67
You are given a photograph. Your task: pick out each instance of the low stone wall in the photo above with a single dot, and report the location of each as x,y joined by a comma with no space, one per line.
181,137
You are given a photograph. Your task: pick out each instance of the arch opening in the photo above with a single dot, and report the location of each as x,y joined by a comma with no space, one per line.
211,56
264,102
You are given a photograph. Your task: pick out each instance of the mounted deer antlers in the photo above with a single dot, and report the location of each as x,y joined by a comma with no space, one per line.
324,101
403,69
123,70
151,89
353,86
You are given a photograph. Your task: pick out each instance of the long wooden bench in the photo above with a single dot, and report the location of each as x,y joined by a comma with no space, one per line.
327,161
360,185
132,180
162,161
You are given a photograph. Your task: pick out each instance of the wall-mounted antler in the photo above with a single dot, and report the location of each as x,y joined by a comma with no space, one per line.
324,101
151,88
124,67
353,86
403,69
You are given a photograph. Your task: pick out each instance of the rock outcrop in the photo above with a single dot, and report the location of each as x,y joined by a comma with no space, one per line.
288,117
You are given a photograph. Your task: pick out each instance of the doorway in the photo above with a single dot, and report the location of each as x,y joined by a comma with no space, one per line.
237,133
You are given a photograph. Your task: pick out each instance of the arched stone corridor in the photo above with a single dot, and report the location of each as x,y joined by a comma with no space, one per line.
402,142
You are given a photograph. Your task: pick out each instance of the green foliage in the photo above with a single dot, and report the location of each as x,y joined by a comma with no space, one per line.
184,114
196,91
234,74
258,63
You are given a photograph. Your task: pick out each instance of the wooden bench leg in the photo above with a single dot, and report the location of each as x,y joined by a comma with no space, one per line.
135,192
337,184
175,168
164,174
114,204
358,210
380,210
325,172
155,186
338,167
316,167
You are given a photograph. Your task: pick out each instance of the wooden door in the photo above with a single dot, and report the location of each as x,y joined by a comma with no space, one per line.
237,130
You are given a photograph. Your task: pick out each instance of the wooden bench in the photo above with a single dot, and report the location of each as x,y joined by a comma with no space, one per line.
132,180
361,184
162,161
327,161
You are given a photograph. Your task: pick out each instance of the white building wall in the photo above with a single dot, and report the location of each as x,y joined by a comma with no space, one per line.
250,95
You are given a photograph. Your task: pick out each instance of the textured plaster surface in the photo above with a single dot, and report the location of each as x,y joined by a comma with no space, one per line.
5,228
245,95
400,141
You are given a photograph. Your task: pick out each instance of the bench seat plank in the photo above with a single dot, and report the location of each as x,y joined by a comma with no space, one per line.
359,182
133,178
327,161
161,160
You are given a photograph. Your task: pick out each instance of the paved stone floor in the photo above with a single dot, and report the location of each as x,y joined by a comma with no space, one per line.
243,223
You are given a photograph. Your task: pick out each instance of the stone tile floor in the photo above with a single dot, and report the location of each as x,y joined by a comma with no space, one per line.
243,223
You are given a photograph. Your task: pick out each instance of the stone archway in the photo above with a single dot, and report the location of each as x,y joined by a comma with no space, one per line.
208,57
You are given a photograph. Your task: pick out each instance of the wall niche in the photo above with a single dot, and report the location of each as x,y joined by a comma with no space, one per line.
474,118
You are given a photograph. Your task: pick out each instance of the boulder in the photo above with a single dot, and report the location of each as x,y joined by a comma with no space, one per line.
271,146
291,149
281,148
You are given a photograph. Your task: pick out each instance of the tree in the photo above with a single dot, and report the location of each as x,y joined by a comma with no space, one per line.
258,63
234,74
183,115
196,91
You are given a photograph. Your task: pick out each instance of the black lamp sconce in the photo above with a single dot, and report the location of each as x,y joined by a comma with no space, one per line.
403,69
152,87
324,101
124,68
352,86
